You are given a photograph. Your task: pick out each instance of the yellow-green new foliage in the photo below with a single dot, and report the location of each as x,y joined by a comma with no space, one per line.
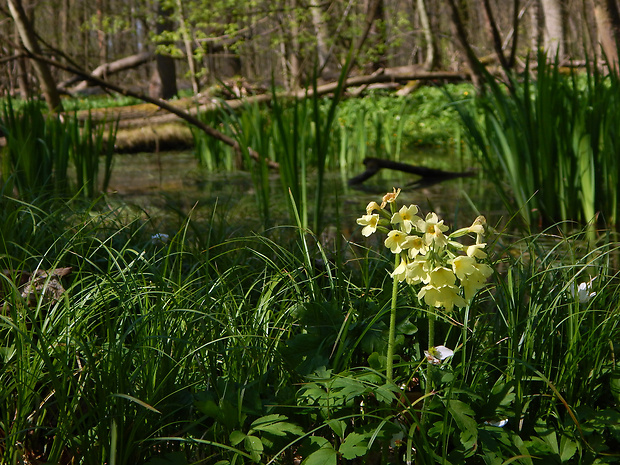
449,272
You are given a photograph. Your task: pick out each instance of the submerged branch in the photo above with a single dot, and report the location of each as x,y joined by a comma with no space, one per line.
430,175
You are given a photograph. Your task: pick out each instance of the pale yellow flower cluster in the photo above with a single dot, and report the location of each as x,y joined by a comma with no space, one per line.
450,272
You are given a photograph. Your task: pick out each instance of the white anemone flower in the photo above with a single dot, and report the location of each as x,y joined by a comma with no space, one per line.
499,423
160,238
583,291
436,355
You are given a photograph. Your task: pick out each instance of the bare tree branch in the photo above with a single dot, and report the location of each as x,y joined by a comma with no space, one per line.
194,121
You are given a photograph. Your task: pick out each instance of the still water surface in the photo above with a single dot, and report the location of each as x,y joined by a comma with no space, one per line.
172,181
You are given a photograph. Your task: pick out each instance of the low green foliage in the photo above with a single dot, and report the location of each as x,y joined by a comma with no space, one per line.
190,345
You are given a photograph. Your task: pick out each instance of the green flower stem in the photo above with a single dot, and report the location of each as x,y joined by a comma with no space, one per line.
429,365
390,349
431,330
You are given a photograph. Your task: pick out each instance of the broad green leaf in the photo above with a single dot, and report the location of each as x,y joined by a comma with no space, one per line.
463,416
323,456
568,447
377,361
338,426
254,447
385,393
236,437
355,445
275,424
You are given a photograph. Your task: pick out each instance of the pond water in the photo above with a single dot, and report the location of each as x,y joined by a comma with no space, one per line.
161,183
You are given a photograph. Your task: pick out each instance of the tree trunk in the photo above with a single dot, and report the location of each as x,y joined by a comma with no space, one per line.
29,40
425,24
515,33
22,73
377,32
607,19
461,35
164,81
553,36
537,26
104,70
320,30
187,42
496,39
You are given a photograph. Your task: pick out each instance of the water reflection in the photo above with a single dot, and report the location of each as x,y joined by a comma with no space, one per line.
173,182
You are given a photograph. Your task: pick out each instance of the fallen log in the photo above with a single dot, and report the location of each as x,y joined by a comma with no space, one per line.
429,176
162,104
104,70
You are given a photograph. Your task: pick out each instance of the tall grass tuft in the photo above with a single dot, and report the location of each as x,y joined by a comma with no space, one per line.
551,137
41,149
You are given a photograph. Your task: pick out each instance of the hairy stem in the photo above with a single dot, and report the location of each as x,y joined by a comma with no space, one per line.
391,336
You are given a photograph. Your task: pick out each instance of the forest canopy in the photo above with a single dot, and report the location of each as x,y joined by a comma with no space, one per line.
162,46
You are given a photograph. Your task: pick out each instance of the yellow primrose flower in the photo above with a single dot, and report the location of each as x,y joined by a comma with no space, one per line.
477,228
390,197
395,240
400,272
407,217
417,271
441,276
426,225
473,282
437,237
371,207
463,265
369,222
478,225
477,251
433,229
444,296
415,245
